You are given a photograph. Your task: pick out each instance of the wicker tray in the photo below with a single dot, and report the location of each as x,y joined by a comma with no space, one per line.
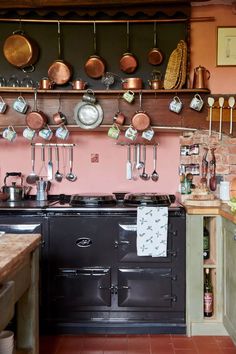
183,68
173,69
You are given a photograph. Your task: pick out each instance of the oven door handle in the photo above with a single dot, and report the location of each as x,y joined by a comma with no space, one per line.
122,242
83,242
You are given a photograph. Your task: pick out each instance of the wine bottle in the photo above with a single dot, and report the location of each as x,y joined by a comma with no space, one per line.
208,294
206,243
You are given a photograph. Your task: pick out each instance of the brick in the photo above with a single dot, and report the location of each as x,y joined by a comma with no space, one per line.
222,169
232,159
232,170
232,149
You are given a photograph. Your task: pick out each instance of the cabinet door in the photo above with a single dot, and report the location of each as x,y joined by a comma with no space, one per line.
230,278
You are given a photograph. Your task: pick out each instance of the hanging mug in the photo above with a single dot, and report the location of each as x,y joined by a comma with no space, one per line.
176,105
131,133
9,133
119,118
46,133
3,105
29,133
196,103
148,134
20,105
114,132
128,96
62,132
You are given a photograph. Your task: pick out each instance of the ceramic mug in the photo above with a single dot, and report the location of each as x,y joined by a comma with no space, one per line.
196,103
29,133
114,132
62,132
89,96
46,133
148,134
176,105
9,133
20,105
3,105
131,133
128,96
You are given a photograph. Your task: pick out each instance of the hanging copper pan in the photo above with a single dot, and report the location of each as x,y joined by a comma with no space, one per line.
128,62
59,71
141,120
36,119
95,66
155,55
21,51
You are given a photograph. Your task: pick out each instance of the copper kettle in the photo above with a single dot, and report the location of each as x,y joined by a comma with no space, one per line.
201,75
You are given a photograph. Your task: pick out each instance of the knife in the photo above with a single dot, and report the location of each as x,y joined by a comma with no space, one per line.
50,166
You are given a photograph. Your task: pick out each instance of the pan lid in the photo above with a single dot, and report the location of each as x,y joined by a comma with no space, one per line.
88,115
88,199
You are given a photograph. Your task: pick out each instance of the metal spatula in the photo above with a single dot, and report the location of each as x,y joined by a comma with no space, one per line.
128,164
50,166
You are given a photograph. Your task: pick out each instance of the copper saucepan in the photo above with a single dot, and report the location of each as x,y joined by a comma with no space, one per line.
132,83
141,120
59,71
128,62
155,55
79,84
95,65
21,51
36,119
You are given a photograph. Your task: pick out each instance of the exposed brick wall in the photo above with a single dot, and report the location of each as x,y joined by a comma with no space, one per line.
225,153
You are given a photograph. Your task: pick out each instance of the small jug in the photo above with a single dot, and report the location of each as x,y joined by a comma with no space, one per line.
20,105
176,105
3,105
196,103
201,75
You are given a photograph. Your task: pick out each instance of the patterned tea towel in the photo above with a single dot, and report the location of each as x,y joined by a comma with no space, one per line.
152,227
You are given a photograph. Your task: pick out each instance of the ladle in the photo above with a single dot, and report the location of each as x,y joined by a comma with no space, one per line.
144,176
211,102
70,175
231,102
32,178
58,175
221,104
155,175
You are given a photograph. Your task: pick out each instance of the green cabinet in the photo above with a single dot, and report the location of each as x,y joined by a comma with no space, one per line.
229,286
197,324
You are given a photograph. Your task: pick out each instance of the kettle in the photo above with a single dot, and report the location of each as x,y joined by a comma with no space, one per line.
15,192
155,83
201,75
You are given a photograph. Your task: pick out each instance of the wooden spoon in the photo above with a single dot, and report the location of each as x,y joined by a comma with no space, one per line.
221,104
211,102
231,102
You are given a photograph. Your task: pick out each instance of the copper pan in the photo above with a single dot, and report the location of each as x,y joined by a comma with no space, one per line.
132,83
59,71
155,55
21,51
95,66
128,62
36,119
141,120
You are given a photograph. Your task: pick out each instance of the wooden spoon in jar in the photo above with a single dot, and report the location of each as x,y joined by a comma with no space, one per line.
211,102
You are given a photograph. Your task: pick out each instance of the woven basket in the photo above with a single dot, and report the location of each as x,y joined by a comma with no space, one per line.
183,70
173,68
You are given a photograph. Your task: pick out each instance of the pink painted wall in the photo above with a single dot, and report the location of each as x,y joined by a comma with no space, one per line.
109,174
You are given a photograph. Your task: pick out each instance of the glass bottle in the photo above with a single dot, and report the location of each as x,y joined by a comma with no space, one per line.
206,243
208,294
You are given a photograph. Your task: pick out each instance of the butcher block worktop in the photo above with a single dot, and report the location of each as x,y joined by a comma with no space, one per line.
223,210
13,249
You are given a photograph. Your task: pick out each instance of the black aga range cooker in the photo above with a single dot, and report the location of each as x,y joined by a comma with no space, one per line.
95,281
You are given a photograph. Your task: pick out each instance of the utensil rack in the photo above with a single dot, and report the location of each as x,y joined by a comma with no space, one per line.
225,116
137,143
53,144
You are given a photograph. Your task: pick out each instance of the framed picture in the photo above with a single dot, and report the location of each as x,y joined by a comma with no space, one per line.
226,46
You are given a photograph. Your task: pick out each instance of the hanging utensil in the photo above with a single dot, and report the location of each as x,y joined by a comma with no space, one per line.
59,71
211,102
95,66
50,165
36,119
128,62
58,175
32,178
134,169
140,120
128,164
144,176
231,102
70,175
155,175
203,179
139,164
155,55
212,181
221,104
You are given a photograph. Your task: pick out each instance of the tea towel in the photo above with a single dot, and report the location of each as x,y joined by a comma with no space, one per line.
152,228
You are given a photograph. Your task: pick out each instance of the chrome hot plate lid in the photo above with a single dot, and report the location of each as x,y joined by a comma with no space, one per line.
92,199
149,199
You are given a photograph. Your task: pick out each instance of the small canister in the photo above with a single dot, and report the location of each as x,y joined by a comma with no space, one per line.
224,191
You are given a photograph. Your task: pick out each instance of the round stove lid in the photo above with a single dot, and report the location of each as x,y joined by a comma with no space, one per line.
92,199
147,198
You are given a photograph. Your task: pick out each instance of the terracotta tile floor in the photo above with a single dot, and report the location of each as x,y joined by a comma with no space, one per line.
136,344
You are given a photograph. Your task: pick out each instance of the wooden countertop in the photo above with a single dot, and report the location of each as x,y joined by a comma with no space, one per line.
224,211
13,249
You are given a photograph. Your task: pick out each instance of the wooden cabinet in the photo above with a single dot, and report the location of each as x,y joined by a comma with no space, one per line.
197,324
229,285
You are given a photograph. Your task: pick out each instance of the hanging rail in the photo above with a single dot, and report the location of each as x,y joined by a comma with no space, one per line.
91,21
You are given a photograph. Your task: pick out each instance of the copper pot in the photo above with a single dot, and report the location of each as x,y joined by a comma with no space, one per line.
79,84
141,120
132,83
59,118
21,51
36,119
155,55
128,62
59,71
45,84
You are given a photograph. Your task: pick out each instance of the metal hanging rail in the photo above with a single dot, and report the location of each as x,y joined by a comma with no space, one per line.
91,21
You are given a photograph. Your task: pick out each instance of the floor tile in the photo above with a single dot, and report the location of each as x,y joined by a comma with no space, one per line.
228,350
224,342
186,351
49,344
183,342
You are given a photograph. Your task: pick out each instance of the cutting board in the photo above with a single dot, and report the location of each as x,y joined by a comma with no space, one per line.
202,203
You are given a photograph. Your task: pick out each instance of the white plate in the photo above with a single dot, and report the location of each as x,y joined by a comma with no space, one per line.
88,115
